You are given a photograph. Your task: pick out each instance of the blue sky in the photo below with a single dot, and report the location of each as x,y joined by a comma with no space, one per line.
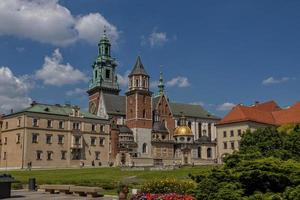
214,53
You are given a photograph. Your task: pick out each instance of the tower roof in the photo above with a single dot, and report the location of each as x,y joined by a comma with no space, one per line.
138,68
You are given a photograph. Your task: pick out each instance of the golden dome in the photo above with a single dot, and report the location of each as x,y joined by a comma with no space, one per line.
183,130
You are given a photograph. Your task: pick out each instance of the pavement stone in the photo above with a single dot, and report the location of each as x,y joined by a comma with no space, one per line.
29,195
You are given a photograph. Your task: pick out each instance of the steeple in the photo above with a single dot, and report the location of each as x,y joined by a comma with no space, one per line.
104,75
161,86
138,78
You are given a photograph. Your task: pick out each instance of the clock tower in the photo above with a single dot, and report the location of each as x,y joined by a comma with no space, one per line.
104,79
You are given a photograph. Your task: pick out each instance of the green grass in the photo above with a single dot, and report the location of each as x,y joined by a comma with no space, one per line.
107,178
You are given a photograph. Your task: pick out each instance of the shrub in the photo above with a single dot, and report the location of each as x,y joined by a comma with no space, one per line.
169,186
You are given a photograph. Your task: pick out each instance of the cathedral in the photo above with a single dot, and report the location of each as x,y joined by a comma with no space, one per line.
148,129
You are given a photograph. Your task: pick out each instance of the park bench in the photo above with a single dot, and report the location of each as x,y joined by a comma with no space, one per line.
56,188
86,191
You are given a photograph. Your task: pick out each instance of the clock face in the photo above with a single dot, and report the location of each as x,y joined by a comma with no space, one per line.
93,108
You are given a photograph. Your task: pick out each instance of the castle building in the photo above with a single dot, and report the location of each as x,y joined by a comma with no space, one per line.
54,136
242,118
143,125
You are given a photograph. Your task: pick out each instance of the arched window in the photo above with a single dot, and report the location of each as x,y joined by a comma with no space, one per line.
204,133
145,148
137,83
209,153
199,152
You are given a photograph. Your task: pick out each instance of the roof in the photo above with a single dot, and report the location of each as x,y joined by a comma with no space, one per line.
190,110
267,113
159,127
138,68
115,104
57,109
124,129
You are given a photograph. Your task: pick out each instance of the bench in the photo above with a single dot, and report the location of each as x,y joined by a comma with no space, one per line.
56,188
86,191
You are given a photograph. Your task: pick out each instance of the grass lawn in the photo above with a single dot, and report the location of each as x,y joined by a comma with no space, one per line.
107,178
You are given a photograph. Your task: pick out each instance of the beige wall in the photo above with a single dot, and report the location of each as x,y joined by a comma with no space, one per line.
19,154
235,139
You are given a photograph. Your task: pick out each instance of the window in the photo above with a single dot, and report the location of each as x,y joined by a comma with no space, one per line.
63,155
225,145
18,139
4,155
144,83
49,155
48,139
107,74
199,152
93,127
97,155
231,133
19,122
34,138
209,153
6,125
189,124
93,141
61,124
163,137
199,129
224,134
96,74
102,140
77,140
144,113
209,130
5,141
49,123
232,145
101,128
39,155
76,126
239,132
145,148
137,83
60,139
35,122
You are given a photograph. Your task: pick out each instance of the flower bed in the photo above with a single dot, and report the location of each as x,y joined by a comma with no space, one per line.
168,186
170,196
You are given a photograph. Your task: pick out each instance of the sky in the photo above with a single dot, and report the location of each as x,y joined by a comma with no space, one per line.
213,53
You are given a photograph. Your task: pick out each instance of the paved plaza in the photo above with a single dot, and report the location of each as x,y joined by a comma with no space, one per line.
26,195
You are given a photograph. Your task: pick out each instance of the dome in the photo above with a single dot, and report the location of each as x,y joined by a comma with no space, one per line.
183,130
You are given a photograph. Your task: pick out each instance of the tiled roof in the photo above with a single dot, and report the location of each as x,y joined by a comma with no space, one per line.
57,109
115,104
267,113
138,68
190,110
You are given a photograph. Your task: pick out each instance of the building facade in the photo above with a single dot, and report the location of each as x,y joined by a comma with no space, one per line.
54,136
242,118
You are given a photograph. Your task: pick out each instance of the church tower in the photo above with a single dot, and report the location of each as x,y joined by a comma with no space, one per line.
104,78
139,108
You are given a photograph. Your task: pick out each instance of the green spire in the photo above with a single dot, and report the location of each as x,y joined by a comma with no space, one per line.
104,46
161,86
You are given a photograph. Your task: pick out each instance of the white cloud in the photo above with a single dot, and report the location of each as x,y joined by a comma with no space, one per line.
200,103
57,74
91,26
271,80
179,81
47,21
123,79
76,92
157,38
13,91
225,106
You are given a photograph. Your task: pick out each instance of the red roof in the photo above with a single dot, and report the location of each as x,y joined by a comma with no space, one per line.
266,113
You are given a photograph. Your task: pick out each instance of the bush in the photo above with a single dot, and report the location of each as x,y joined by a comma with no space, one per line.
169,186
